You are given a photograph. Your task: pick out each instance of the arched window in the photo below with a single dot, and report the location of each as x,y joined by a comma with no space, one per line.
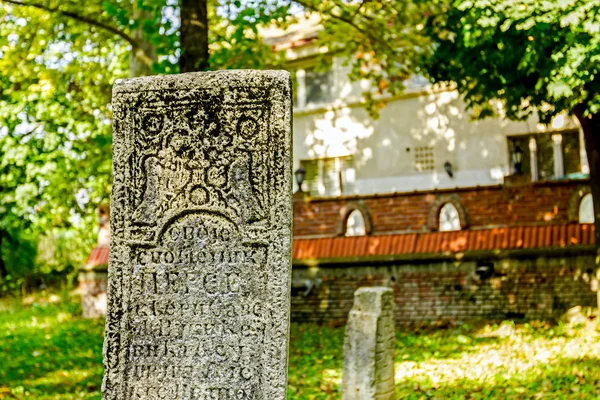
449,218
586,210
355,224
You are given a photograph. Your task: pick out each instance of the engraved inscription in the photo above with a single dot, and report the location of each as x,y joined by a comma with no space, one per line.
198,301
201,247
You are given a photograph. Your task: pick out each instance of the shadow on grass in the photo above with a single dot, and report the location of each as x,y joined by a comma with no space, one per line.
421,344
48,352
441,344
561,379
315,362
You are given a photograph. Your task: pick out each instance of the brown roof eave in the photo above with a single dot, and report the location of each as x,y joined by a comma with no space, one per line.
424,258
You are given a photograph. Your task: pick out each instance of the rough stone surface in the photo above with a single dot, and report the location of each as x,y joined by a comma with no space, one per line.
369,346
200,260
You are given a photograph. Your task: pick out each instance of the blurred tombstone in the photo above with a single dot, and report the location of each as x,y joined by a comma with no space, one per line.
104,223
93,276
201,216
369,346
93,282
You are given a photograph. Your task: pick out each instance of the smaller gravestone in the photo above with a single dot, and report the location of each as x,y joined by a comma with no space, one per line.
93,280
93,276
369,346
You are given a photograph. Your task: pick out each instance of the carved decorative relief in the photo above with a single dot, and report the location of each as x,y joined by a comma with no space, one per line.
201,246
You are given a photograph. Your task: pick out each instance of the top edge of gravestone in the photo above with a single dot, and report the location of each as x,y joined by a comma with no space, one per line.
208,79
373,289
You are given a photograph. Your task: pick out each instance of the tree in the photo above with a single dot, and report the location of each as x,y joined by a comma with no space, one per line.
59,59
54,132
533,56
194,36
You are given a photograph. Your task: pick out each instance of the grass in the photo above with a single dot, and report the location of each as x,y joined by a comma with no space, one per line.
48,352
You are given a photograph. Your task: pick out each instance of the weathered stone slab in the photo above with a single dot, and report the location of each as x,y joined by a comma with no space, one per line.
369,346
200,260
92,287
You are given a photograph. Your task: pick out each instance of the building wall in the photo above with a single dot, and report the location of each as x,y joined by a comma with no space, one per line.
384,149
539,287
540,203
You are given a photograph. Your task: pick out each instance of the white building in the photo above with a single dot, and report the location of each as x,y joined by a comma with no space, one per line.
419,134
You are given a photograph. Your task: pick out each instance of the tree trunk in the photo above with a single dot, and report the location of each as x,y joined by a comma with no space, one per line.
194,36
141,59
3,270
591,132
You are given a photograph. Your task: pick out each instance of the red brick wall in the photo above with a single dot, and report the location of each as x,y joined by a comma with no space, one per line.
538,203
536,288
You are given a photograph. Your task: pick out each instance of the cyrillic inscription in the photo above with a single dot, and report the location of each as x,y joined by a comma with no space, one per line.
200,253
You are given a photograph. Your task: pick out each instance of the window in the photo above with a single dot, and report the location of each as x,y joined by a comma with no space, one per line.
424,161
586,210
449,218
521,142
355,224
571,152
318,86
295,80
329,176
312,86
547,155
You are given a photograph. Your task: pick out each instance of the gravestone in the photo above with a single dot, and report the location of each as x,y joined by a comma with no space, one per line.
200,260
369,346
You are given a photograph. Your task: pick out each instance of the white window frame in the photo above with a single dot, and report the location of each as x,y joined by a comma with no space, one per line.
352,227
340,173
557,155
302,91
586,206
455,224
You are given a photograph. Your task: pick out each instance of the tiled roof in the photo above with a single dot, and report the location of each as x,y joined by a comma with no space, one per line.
98,256
507,238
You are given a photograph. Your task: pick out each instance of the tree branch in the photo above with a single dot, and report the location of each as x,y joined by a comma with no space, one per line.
359,8
138,49
350,21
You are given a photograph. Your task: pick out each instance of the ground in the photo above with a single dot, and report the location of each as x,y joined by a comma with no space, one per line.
48,352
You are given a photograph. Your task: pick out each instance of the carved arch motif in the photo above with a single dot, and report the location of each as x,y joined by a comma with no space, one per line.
349,208
433,220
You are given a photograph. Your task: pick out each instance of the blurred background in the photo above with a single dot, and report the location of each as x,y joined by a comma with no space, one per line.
448,150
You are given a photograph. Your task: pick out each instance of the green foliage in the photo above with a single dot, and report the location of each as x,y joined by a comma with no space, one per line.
49,352
234,35
20,251
381,41
55,134
533,56
58,61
